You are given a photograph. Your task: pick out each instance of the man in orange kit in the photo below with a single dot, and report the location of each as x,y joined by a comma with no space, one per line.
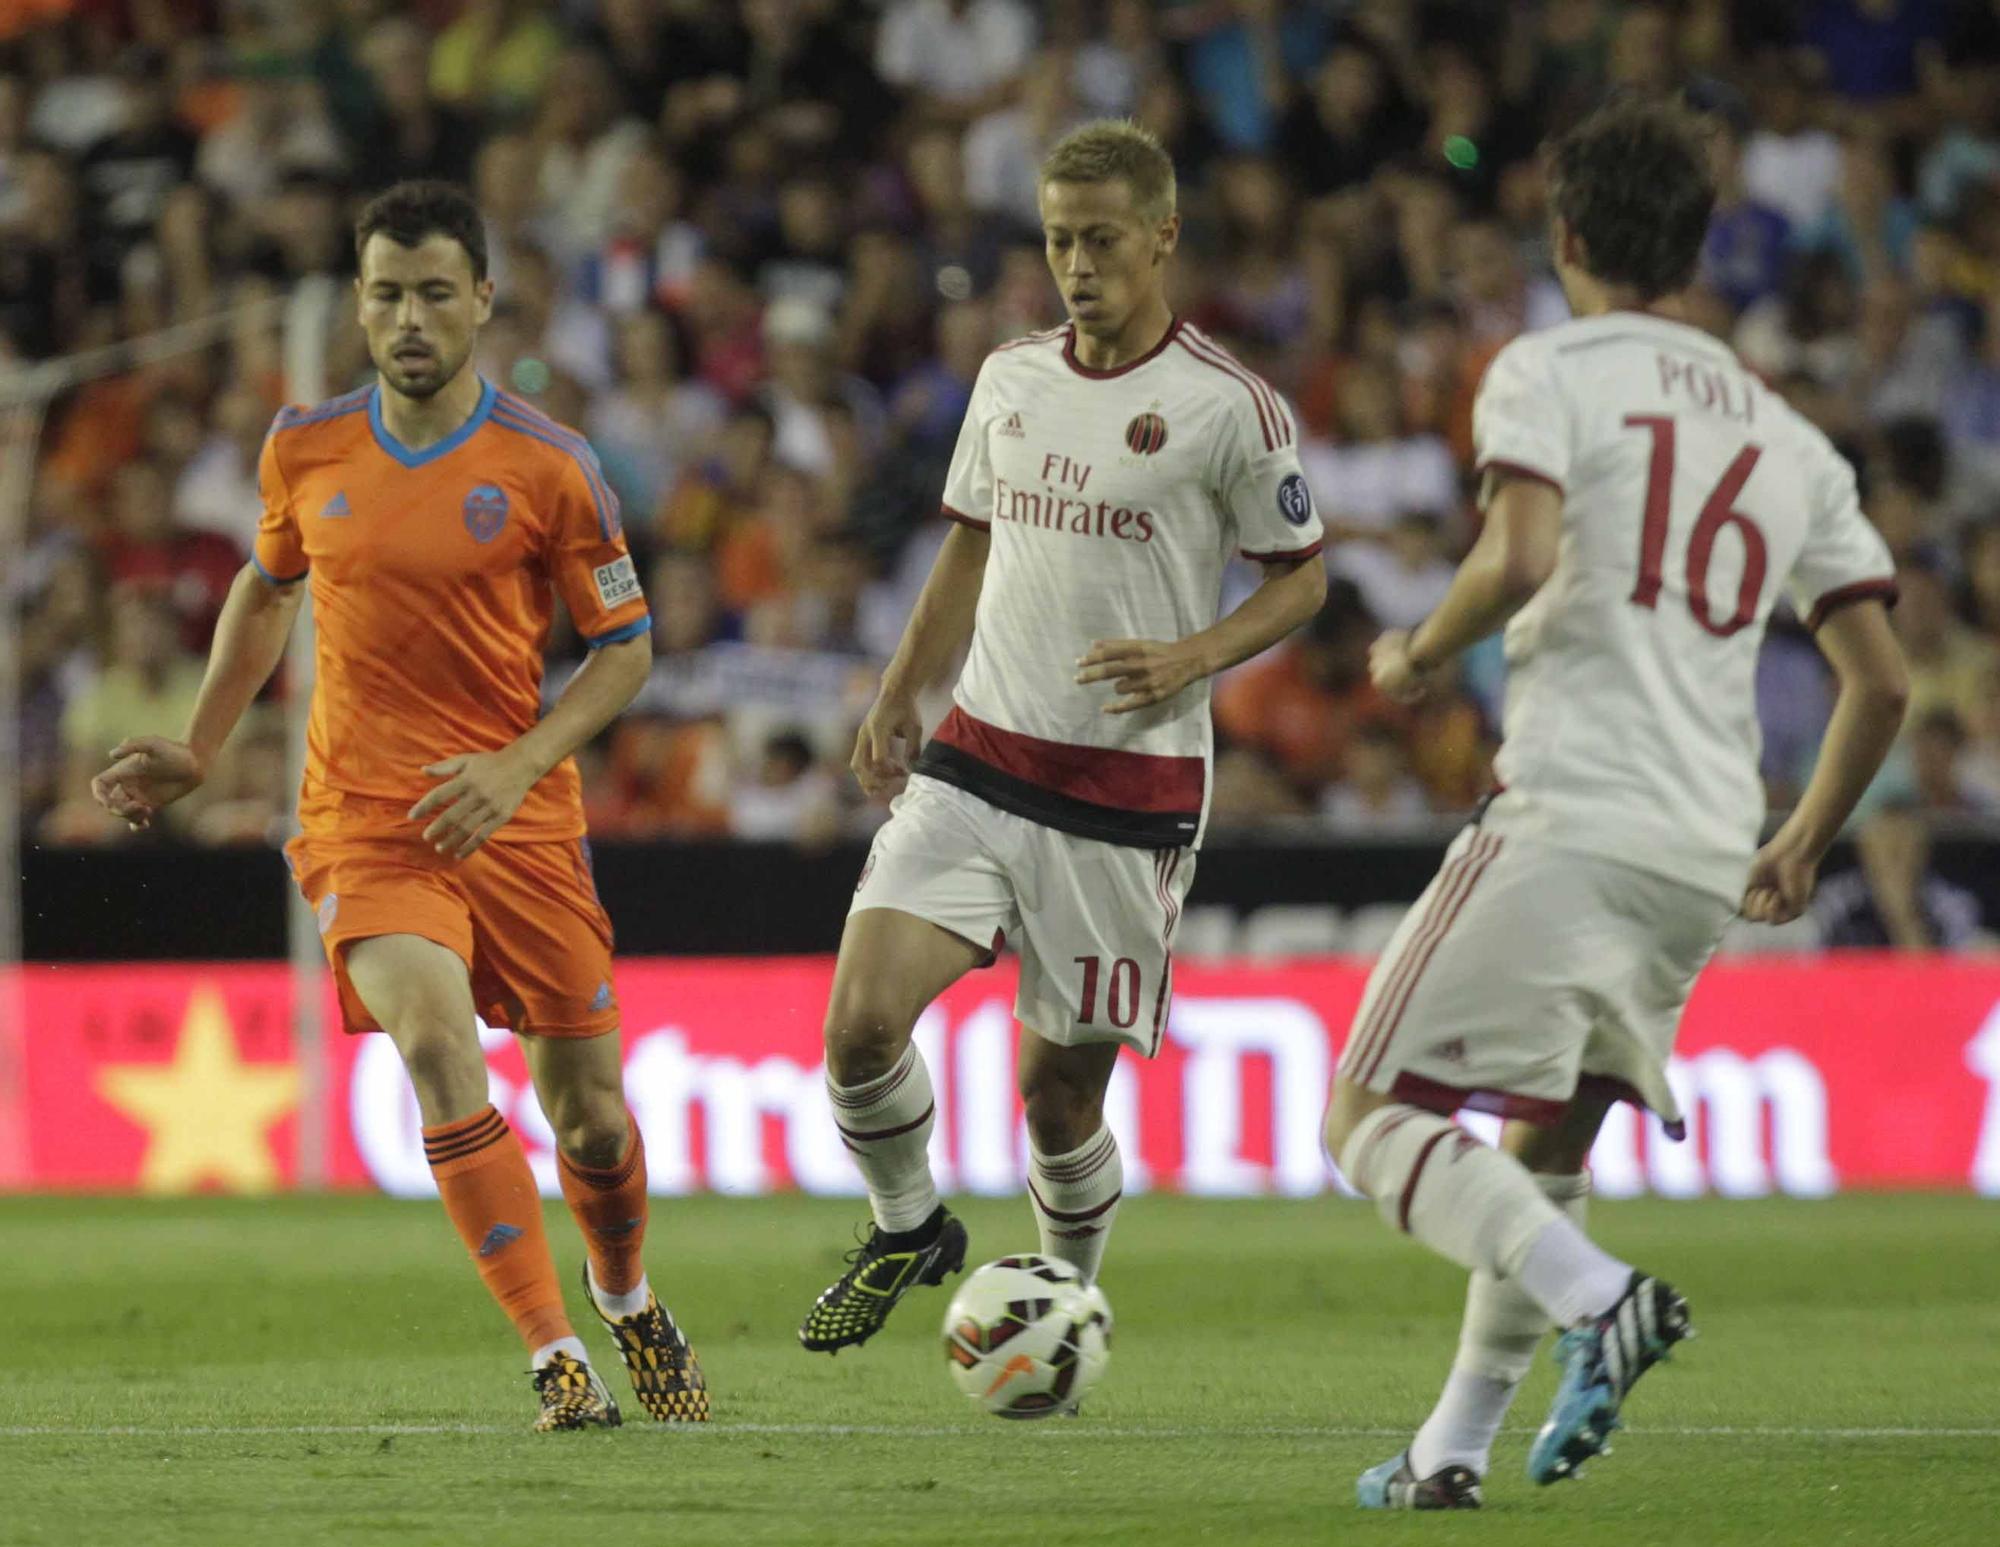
442,837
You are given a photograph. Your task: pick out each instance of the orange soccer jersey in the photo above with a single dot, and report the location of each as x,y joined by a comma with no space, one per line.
433,576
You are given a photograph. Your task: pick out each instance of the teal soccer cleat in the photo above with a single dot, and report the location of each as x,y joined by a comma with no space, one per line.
1602,1361
1392,1485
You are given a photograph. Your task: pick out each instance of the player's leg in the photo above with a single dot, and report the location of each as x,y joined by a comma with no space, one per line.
1478,998
1659,936
891,966
1096,974
1503,1324
419,992
1075,1173
931,906
600,1159
601,1163
543,950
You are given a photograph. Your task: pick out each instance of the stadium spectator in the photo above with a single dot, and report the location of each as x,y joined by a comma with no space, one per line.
1937,754
959,58
217,488
1892,897
791,799
651,422
1745,256
145,687
1377,796
1950,662
189,572
759,251
1403,572
1378,469
1301,705
495,58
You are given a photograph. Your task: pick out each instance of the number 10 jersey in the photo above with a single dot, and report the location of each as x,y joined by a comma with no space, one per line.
1692,495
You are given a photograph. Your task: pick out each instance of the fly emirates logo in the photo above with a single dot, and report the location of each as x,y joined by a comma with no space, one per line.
1063,504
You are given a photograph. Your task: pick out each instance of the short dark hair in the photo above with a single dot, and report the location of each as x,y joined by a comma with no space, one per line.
412,211
1632,180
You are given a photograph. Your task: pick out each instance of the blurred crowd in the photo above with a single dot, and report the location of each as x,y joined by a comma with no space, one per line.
757,251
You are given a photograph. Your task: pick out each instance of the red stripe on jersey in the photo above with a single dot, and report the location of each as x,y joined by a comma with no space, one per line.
1282,555
1104,776
1173,332
1435,1096
1272,429
1480,858
1046,336
1883,590
1515,470
1279,417
963,519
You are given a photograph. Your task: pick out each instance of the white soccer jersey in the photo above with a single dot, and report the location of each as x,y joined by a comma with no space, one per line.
1692,493
1114,498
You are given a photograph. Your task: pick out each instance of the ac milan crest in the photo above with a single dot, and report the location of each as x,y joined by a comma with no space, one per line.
1146,434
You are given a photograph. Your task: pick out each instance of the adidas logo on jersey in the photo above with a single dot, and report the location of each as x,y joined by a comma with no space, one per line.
335,508
1011,425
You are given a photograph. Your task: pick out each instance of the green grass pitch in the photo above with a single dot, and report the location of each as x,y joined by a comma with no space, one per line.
327,1371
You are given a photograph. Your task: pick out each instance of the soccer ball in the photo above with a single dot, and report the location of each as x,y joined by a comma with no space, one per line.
1025,1337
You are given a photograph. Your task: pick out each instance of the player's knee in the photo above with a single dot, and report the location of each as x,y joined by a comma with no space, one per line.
443,1060
1349,1107
591,1125
864,1038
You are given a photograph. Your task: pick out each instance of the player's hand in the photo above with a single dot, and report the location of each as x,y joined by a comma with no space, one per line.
885,744
1780,885
1395,675
481,790
146,773
1144,671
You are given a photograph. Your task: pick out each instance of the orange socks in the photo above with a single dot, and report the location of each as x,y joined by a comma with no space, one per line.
610,1209
490,1195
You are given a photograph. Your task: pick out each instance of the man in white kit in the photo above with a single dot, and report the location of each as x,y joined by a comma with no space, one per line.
1106,472
1646,502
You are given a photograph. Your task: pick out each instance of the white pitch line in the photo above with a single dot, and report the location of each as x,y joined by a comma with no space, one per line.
907,1431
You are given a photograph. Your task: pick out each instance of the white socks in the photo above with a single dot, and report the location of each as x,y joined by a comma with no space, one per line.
618,1307
886,1124
1571,1276
1479,1207
1503,1326
572,1346
1075,1197
1433,1180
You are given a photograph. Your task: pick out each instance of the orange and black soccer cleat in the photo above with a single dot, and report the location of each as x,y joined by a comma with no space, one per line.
666,1376
573,1397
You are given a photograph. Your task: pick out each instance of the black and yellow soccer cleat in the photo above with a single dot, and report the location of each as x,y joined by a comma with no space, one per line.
666,1376
881,1271
573,1397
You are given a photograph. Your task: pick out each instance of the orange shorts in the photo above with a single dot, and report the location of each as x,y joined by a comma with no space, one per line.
523,917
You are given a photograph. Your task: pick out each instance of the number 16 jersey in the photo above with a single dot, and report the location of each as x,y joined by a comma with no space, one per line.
1692,495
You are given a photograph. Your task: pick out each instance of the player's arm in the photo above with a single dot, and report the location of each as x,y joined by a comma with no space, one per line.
1144,671
1512,559
483,789
148,772
1873,692
939,627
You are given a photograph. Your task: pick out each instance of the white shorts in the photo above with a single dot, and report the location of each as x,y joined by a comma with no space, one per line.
1526,970
1093,922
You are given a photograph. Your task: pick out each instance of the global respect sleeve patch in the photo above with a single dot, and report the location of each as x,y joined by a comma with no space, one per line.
617,582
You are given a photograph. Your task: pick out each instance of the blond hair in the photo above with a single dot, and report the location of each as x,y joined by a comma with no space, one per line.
1109,149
